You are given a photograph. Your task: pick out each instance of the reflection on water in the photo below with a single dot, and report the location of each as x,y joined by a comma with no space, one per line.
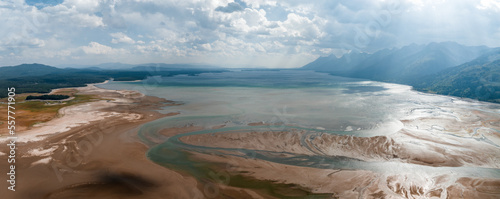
309,101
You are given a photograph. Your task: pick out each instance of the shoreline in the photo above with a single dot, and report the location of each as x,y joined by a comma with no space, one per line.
341,182
77,115
93,150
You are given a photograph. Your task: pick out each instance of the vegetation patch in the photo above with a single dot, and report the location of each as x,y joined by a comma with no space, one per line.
32,112
47,97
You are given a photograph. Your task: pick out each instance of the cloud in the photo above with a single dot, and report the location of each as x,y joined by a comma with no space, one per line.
489,4
121,38
231,7
206,47
18,42
98,49
303,27
233,33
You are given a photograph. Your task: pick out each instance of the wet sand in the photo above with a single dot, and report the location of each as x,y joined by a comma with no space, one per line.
429,150
431,158
339,183
92,151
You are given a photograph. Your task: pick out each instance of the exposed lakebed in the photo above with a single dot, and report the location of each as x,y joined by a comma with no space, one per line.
315,120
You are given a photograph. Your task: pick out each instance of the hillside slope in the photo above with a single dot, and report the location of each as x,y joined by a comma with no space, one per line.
39,78
477,79
403,65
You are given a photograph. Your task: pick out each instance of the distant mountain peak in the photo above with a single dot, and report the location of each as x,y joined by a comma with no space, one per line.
33,65
398,64
24,70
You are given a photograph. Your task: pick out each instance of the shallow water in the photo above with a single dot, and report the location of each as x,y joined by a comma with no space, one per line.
309,101
313,100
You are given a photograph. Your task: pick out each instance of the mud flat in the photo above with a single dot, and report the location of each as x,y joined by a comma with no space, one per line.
334,183
408,147
458,160
322,142
388,168
91,151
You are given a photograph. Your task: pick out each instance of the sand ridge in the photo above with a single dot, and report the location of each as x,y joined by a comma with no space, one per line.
92,151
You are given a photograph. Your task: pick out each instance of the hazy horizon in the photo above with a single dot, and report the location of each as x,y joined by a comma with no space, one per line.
241,33
80,65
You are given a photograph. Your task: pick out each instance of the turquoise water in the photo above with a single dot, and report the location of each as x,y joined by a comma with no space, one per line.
290,100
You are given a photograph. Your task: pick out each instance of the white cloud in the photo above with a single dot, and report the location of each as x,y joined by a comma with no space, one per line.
19,42
86,20
259,3
98,49
83,6
120,37
154,48
207,47
299,26
70,16
489,4
281,33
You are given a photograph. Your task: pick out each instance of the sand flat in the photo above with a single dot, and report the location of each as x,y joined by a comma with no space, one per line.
92,151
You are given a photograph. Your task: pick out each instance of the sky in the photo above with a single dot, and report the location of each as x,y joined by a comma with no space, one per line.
227,33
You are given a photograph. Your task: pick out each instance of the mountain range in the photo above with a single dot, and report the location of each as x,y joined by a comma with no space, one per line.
137,67
477,79
446,68
40,78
